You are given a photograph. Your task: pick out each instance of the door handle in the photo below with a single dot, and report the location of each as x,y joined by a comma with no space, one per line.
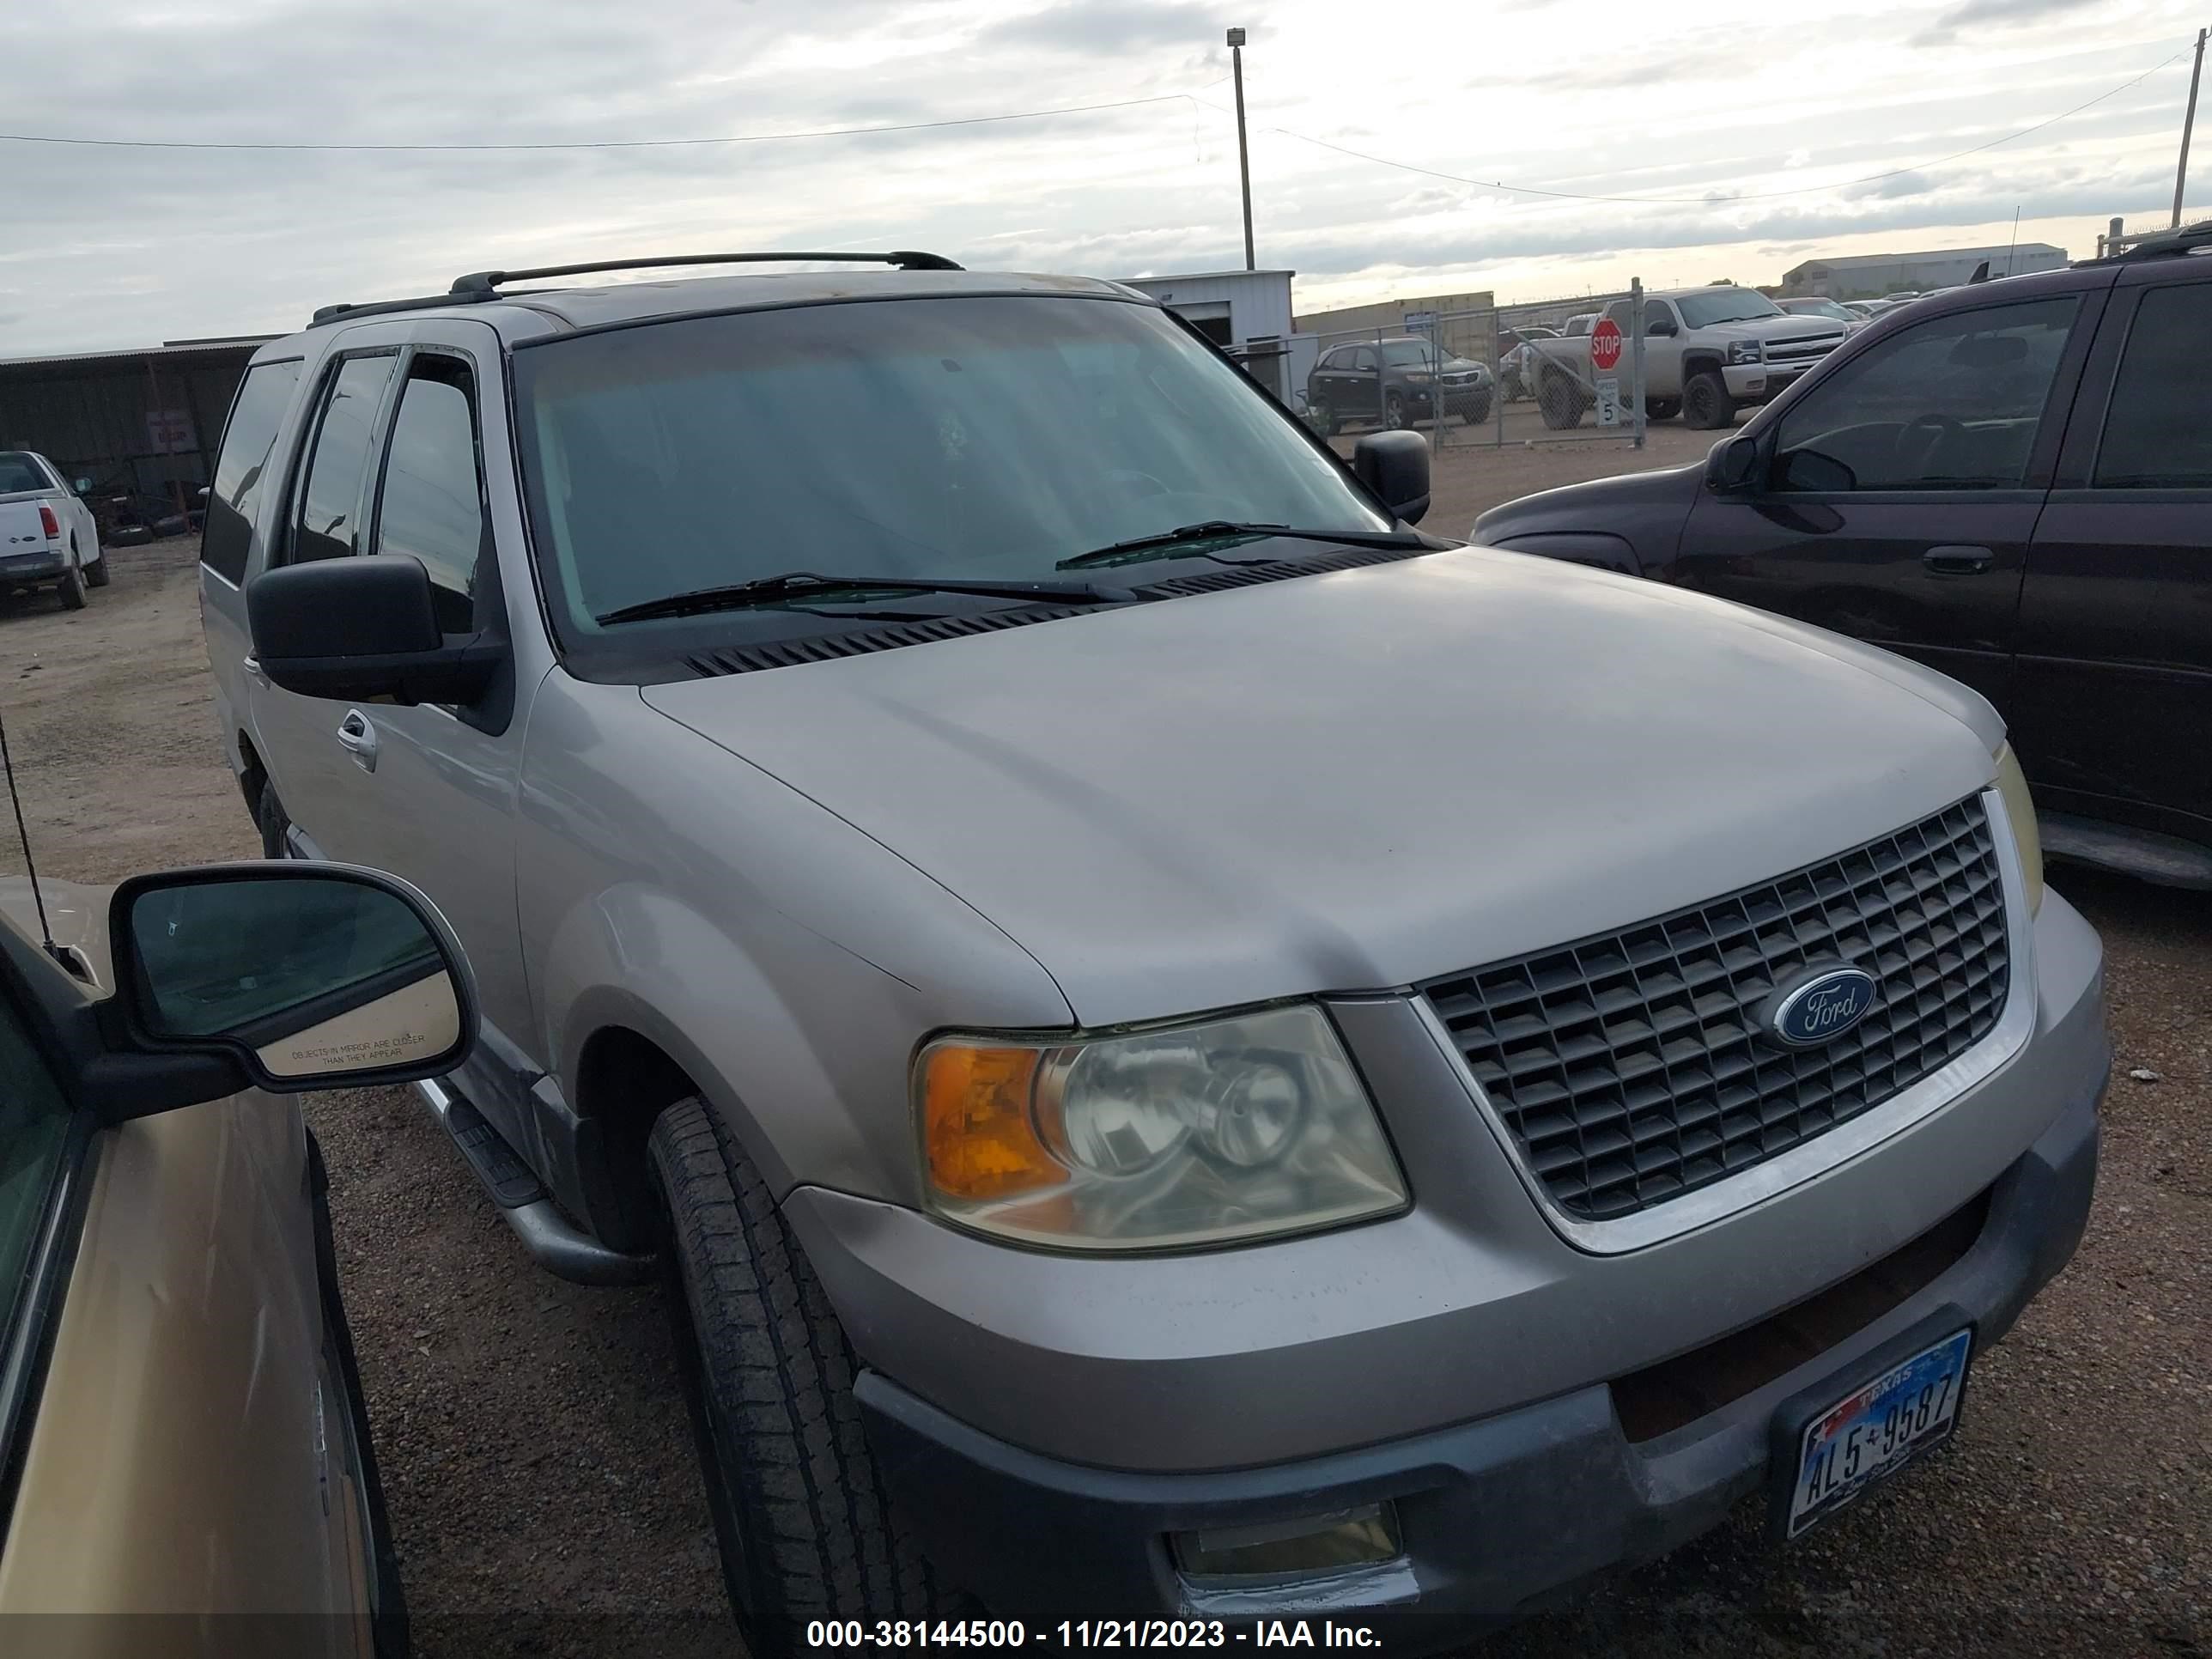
254,670
358,739
1958,561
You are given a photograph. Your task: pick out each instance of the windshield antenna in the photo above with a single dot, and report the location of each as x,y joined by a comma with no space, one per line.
45,929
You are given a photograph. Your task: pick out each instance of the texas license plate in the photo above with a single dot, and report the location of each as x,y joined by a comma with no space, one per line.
1876,1430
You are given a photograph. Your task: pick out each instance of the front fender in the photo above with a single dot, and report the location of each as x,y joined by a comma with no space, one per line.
789,963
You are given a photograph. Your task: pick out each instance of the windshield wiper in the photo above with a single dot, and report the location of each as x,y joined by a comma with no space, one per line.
764,590
1214,528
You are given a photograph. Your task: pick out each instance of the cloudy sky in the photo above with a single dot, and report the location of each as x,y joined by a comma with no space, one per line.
1749,137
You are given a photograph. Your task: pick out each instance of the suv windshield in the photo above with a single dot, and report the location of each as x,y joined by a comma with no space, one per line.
967,438
1406,354
1726,306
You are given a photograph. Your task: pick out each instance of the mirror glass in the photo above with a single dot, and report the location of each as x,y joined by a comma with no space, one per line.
320,975
82,485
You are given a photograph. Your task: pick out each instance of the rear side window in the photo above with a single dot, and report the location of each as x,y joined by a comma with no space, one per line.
2159,432
327,525
262,396
431,507
18,470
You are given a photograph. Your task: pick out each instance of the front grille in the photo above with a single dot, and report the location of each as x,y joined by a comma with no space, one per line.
1630,1068
1802,351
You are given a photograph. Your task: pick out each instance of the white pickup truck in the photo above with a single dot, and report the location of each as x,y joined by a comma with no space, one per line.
48,538
1707,353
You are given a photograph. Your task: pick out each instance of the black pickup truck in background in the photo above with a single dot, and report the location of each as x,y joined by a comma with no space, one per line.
2011,482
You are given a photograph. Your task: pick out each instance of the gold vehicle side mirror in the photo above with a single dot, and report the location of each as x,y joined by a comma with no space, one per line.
305,975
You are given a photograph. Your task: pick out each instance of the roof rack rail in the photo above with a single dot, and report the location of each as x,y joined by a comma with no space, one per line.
483,282
371,308
2188,239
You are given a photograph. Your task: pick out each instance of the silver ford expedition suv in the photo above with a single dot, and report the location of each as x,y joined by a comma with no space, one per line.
1185,1054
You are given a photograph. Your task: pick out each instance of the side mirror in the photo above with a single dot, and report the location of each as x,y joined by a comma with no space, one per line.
1395,465
357,628
80,487
1732,465
303,976
1658,327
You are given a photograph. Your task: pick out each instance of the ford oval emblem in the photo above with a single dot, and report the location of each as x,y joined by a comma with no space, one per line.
1819,1006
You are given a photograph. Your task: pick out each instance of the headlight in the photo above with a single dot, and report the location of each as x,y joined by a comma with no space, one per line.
1183,1137
1746,351
1418,378
2012,784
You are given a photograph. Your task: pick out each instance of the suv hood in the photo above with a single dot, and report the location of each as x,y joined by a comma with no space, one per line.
1353,780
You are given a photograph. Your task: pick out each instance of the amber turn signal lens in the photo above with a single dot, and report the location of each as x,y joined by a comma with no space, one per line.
976,1123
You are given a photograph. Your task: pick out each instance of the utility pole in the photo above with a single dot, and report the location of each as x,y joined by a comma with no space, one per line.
2180,173
1244,156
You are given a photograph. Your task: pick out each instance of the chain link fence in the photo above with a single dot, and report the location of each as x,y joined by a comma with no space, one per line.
1552,371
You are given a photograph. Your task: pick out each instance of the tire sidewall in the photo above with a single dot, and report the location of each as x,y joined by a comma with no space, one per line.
1704,399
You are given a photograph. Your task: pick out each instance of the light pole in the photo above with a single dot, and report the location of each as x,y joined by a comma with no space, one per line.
1243,154
2180,173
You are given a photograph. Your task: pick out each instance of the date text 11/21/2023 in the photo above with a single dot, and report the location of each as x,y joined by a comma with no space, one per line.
1088,1633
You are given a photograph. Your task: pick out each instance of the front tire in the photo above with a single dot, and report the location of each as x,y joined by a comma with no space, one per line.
1706,404
96,574
270,818
70,588
803,1525
1662,409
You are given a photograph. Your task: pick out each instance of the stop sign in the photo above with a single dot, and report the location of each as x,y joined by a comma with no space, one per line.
1605,343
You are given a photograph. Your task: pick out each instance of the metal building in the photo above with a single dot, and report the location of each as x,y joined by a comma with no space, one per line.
144,421
1871,276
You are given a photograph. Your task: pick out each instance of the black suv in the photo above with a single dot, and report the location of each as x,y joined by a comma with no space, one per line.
2011,482
1390,381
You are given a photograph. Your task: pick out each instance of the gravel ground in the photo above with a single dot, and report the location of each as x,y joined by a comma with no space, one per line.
535,1448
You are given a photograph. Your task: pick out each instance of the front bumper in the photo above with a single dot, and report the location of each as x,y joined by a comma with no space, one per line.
1759,383
1496,1517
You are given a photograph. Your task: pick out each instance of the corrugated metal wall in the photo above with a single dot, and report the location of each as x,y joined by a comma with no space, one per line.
90,418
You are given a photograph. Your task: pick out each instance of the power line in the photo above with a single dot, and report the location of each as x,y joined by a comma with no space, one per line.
605,143
1717,199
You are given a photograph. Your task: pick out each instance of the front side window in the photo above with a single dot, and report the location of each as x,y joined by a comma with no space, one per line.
1363,360
1726,305
1952,402
2159,434
432,504
328,524
242,466
985,438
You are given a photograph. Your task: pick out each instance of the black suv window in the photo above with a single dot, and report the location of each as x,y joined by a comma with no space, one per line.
2159,432
1951,403
327,524
1363,360
432,504
262,396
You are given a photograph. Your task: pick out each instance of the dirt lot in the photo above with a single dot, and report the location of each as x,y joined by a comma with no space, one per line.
534,1444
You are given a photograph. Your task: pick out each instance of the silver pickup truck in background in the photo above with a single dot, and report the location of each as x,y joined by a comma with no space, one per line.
48,538
1708,352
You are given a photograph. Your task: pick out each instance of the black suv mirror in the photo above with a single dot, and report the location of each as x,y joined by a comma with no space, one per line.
360,628
304,977
1395,465
1733,465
